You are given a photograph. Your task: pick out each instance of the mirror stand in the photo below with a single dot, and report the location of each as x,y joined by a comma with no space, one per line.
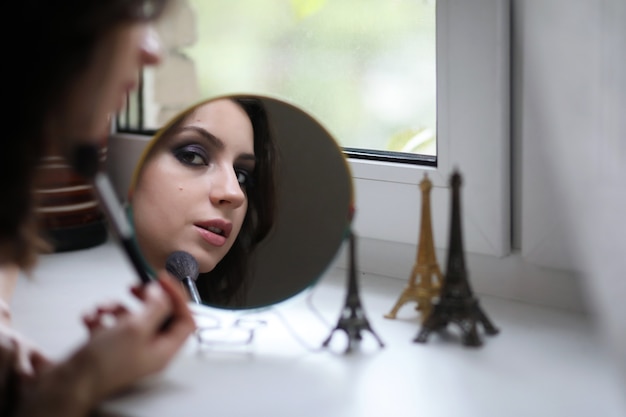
352,319
221,329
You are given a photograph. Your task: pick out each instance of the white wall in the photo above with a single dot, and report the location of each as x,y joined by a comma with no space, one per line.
571,129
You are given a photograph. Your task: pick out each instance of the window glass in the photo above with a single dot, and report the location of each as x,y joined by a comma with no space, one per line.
364,68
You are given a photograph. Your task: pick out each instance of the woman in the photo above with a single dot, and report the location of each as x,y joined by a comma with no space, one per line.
206,186
62,90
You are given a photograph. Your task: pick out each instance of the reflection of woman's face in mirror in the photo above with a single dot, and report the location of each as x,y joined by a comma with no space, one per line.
199,190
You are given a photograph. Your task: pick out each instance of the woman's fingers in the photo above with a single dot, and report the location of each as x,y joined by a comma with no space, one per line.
156,307
22,352
183,323
165,300
105,315
139,291
24,366
39,362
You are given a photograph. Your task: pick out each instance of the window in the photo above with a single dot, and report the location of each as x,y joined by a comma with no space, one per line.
366,69
472,83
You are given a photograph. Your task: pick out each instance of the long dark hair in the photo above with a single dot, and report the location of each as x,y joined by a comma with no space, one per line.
225,285
62,37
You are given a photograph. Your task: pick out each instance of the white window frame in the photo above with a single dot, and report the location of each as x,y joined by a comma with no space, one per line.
473,136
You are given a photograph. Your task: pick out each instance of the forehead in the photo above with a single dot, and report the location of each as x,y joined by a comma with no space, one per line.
223,118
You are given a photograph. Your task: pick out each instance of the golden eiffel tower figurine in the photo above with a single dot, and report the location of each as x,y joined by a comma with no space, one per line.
422,288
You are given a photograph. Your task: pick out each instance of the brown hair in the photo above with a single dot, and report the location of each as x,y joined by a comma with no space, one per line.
65,34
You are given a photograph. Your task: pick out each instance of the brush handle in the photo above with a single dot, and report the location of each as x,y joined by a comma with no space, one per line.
192,290
122,230
119,223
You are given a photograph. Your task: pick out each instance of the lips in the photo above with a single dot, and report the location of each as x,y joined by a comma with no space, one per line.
215,232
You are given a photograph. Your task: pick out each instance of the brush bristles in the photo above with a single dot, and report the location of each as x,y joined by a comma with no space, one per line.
182,265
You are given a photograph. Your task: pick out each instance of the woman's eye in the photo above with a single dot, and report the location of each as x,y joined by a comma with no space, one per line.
243,177
190,156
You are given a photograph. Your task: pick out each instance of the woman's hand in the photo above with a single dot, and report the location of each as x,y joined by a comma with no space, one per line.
20,364
124,346
26,357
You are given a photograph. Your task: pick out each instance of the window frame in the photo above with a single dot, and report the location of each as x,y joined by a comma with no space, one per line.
387,192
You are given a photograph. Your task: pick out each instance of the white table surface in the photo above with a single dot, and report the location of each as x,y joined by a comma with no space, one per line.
544,362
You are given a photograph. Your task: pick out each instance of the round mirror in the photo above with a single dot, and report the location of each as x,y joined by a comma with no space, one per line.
254,188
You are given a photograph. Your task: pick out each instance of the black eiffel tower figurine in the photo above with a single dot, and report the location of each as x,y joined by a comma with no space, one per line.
456,303
352,319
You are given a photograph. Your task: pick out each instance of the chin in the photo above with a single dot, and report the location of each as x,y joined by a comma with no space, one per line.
207,260
206,264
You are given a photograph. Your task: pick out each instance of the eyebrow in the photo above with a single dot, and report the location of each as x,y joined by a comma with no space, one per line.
216,142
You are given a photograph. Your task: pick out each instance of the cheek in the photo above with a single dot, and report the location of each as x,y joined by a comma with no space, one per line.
157,210
164,178
161,197
160,224
241,215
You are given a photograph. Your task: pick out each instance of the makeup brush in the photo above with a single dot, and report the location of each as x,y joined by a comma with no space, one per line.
184,267
84,159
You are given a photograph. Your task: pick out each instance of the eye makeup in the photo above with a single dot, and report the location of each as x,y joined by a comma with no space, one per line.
244,178
191,155
194,153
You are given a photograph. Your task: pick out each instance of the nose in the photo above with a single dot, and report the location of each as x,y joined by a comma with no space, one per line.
225,189
150,47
